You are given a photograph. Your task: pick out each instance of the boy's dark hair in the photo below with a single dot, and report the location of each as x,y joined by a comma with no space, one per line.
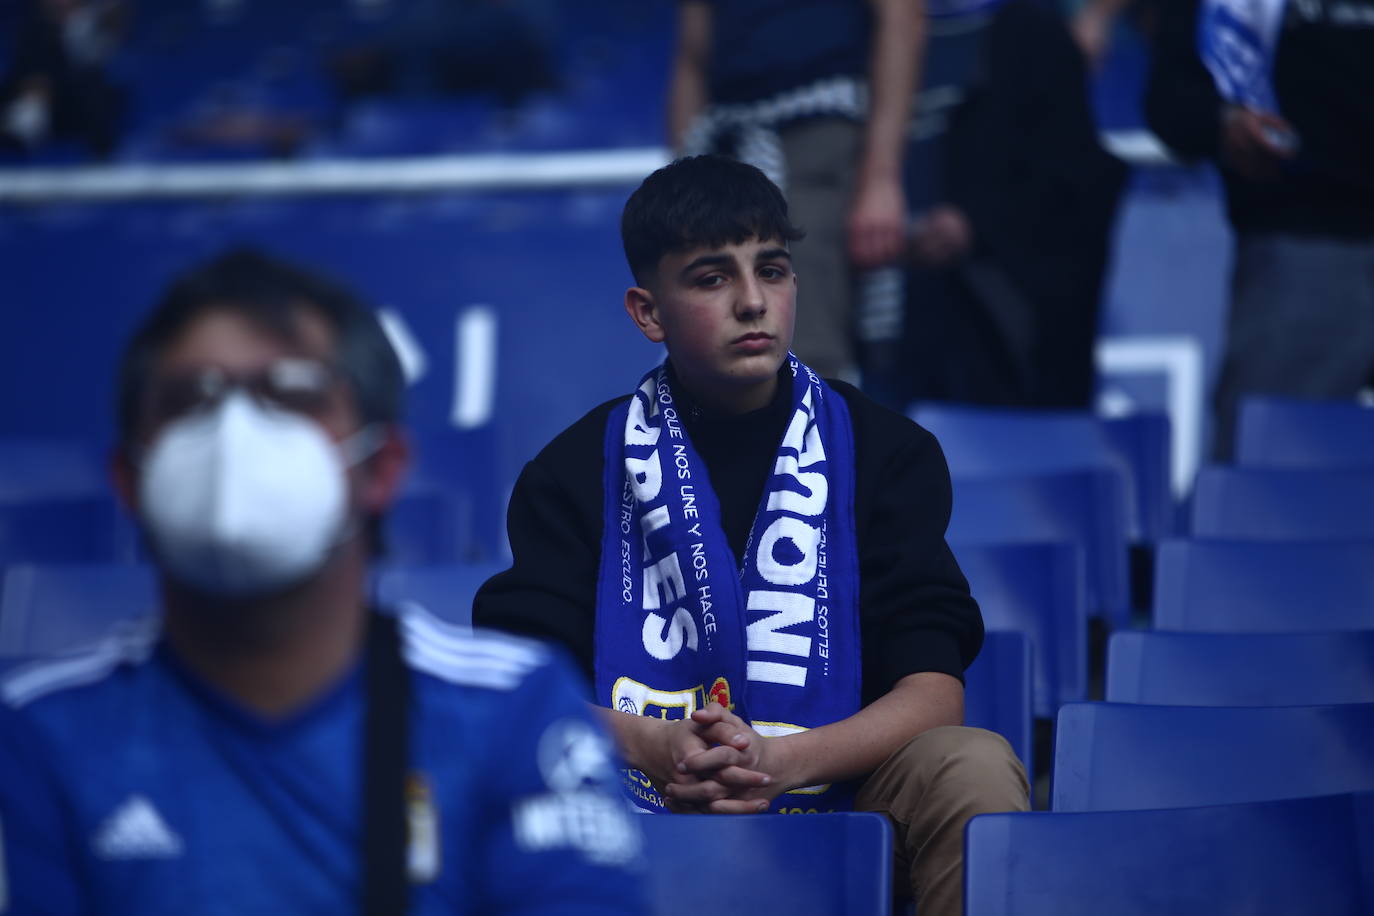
700,201
269,292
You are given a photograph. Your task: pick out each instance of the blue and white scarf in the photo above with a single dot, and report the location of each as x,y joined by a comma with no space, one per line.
1236,40
677,625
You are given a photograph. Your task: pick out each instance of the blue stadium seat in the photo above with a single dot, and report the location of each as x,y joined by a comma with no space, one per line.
1250,504
1122,755
65,529
1241,669
1277,432
997,691
1271,858
1145,440
1004,442
767,865
35,468
444,591
1036,589
462,464
1085,507
428,525
1264,587
52,608
56,506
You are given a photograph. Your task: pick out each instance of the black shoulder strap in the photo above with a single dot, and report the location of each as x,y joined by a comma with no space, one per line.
386,736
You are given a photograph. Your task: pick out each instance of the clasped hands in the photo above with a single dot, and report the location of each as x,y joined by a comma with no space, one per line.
715,763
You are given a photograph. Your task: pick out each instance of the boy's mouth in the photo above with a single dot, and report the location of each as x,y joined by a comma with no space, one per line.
753,344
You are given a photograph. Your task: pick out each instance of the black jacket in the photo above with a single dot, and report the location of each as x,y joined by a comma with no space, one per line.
915,610
1324,80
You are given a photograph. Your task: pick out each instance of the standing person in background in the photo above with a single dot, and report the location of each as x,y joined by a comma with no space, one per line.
1014,200
818,94
57,87
280,746
1281,96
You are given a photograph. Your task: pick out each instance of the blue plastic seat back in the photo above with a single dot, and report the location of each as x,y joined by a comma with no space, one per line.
65,529
770,864
1086,508
33,468
1145,441
1271,858
444,591
53,608
1038,590
1249,504
1003,442
1121,755
460,465
1258,586
997,691
1241,669
428,525
1277,432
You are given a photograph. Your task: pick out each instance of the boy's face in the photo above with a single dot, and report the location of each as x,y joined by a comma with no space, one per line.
726,316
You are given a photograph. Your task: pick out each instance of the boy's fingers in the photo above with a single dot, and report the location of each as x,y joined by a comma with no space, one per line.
738,777
698,793
710,714
738,806
728,734
707,762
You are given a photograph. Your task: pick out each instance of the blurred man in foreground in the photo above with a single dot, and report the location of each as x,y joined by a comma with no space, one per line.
280,746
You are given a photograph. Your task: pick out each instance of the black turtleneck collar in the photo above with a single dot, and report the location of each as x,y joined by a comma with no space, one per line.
738,450
694,414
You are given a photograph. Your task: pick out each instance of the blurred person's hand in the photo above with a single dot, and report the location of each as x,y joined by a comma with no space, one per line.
1254,144
1092,31
941,236
877,223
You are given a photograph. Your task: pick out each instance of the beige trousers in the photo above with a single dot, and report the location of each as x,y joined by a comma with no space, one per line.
929,788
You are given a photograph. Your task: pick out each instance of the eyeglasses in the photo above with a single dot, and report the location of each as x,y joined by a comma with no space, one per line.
298,384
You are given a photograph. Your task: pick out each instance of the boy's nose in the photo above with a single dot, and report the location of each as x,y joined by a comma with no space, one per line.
750,303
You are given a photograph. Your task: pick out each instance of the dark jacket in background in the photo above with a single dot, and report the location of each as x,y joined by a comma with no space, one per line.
1015,323
1324,80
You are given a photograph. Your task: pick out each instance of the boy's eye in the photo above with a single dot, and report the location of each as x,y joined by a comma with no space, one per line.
772,272
710,280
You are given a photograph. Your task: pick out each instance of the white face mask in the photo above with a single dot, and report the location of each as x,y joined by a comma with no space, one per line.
242,499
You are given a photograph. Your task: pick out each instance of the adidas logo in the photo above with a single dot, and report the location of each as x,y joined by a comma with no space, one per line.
135,830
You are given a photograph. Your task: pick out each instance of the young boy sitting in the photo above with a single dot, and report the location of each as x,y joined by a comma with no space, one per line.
749,561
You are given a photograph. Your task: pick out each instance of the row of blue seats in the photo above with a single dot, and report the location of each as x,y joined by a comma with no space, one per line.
1270,858
1037,588
1233,797
1035,658
1191,810
1018,477
435,520
1046,590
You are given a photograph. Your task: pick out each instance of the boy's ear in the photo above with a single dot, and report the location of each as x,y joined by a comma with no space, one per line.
639,304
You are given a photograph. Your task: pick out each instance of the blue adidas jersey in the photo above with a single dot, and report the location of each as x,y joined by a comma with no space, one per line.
127,785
